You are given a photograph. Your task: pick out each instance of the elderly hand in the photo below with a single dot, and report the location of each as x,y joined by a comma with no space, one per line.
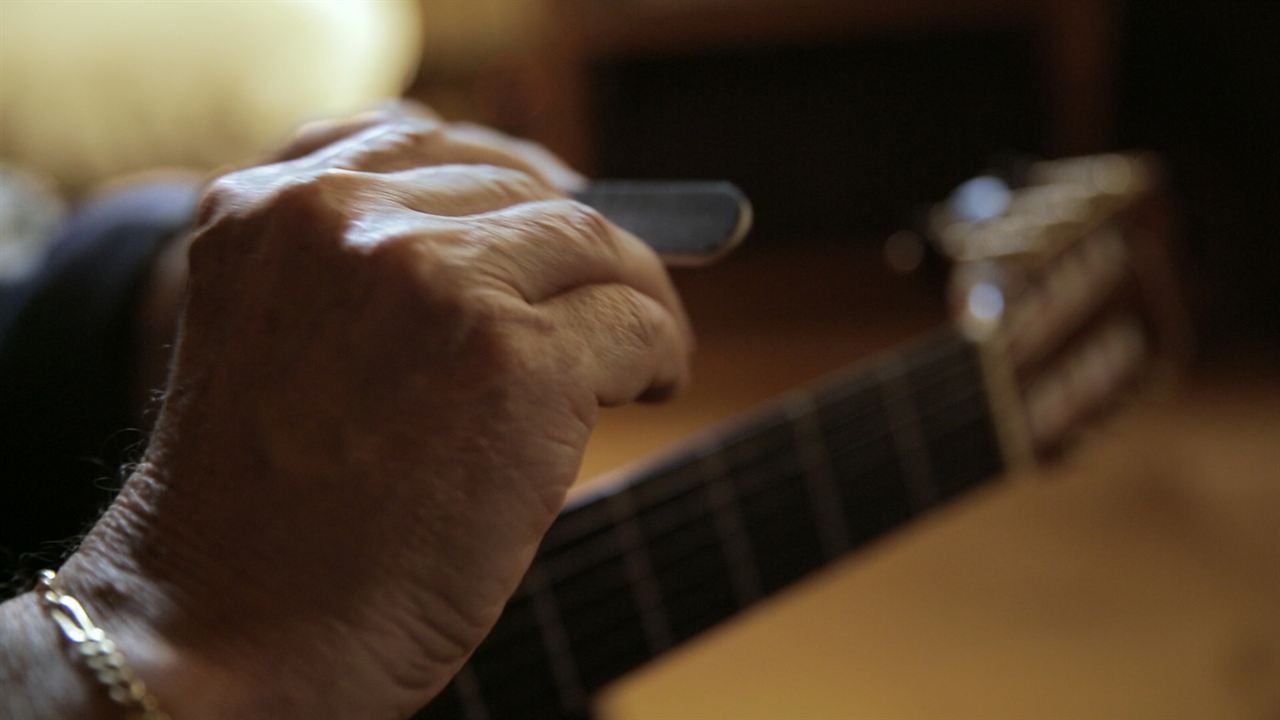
394,347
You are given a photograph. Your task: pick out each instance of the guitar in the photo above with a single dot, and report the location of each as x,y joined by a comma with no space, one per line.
1064,303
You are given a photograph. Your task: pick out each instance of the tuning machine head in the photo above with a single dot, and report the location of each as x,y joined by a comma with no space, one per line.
994,218
1052,279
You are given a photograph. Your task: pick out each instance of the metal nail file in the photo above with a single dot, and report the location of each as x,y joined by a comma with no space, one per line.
688,222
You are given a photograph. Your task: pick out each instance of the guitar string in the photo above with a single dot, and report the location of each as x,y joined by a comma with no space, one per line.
755,471
754,486
534,657
690,481
835,393
953,428
682,513
751,478
826,399
748,483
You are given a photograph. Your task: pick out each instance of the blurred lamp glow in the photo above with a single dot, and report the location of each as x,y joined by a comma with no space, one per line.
985,301
982,198
91,90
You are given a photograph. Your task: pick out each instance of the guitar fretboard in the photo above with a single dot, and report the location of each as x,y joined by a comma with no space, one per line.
713,528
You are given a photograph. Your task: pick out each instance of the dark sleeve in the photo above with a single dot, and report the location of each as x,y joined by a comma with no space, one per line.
66,366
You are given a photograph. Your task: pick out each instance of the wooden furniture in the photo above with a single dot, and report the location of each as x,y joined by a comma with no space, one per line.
1074,40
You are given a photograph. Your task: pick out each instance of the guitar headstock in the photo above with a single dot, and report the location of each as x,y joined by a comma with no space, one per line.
1066,283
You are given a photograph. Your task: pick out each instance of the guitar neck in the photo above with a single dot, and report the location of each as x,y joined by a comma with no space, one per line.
628,573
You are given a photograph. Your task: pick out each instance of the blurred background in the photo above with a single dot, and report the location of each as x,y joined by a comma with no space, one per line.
842,120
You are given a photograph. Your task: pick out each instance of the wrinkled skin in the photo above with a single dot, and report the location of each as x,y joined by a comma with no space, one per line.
394,347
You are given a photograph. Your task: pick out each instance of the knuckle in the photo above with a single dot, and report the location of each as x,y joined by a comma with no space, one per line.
226,209
585,225
436,278
409,255
500,341
219,198
304,204
529,147
465,131
466,127
408,107
335,179
635,325
464,189
242,215
419,131
507,184
269,190
328,195
587,220
201,253
396,142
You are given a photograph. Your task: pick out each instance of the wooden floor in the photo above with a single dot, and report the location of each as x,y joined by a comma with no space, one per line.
1139,579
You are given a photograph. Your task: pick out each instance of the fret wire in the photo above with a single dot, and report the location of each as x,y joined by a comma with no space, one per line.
690,587
572,598
556,641
600,584
864,439
765,481
688,482
926,379
674,485
691,481
704,546
943,348
566,565
467,685
674,515
677,511
560,568
826,394
863,411
728,524
683,590
604,632
647,595
572,604
511,631
523,663
747,476
601,627
849,436
578,525
969,423
683,487
701,552
824,500
844,384
758,487
677,504
904,422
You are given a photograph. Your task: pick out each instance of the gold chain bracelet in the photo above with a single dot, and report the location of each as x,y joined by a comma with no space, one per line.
98,652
